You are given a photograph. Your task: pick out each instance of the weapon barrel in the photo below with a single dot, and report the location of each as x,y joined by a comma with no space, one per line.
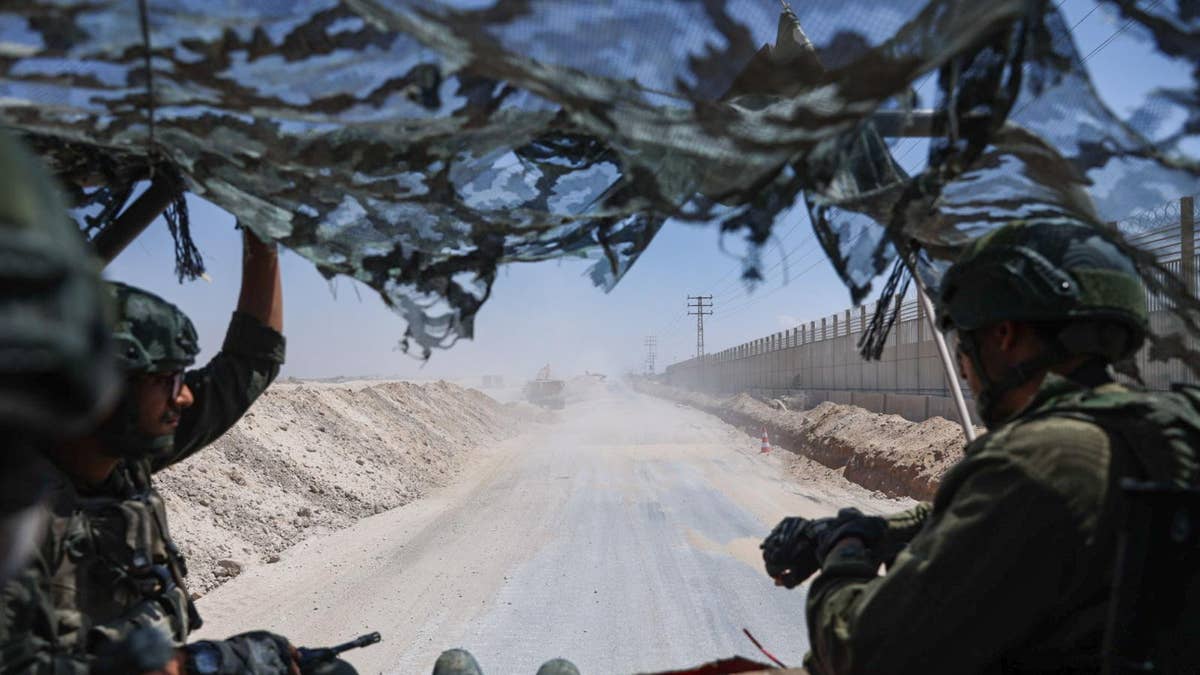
358,642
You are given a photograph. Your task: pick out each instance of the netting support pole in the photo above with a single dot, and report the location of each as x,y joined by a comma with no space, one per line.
134,220
1187,242
939,340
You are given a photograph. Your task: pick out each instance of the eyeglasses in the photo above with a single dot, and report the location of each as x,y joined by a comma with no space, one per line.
172,382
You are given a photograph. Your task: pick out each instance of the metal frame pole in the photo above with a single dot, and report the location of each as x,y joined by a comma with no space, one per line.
134,220
960,402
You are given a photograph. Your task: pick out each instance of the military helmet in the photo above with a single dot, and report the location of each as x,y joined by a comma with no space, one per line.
151,335
57,373
1062,272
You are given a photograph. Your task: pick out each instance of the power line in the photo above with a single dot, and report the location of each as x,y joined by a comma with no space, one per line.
1117,32
756,299
759,298
718,291
917,141
745,294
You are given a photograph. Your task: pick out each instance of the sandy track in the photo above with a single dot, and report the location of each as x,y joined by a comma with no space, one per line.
623,537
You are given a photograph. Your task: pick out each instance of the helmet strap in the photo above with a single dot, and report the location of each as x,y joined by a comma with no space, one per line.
993,391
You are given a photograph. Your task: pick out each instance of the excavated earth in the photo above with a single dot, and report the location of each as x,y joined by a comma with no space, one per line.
315,457
887,453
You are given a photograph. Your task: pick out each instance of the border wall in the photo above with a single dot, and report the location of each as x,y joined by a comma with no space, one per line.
819,360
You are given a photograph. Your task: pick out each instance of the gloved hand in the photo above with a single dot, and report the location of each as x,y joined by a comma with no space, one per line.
797,547
142,650
253,653
850,522
790,551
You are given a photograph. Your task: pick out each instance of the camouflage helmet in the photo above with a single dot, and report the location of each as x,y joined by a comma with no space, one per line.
151,334
57,373
1060,272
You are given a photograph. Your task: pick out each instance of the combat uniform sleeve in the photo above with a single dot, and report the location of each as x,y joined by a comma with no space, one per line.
224,389
985,570
902,527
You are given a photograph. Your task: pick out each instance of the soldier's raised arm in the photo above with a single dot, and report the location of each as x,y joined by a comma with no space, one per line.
248,362
262,286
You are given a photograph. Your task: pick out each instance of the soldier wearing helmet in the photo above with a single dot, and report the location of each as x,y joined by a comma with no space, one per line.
1010,568
109,569
57,374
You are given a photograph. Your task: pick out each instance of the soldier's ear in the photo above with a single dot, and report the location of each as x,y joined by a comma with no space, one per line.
1006,335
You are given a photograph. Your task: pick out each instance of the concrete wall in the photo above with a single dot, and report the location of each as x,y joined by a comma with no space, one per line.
821,361
820,358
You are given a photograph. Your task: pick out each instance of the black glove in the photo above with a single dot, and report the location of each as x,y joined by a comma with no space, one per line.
797,547
142,650
254,653
790,551
851,522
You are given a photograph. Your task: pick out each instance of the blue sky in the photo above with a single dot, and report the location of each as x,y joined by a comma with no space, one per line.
549,312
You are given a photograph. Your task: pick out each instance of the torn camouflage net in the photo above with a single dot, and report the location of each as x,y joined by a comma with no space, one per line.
415,145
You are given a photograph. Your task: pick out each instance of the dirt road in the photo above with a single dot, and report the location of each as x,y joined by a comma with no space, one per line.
623,537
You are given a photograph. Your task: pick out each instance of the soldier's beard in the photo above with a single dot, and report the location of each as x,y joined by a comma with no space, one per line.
122,439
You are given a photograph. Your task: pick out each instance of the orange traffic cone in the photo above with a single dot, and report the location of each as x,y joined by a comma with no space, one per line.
766,444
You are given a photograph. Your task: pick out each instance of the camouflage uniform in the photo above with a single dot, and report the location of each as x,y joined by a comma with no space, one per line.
1011,567
108,564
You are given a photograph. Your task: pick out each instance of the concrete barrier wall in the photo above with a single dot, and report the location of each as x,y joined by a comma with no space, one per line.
907,380
820,359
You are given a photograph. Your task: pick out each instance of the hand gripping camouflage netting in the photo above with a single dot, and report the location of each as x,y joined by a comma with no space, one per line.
415,145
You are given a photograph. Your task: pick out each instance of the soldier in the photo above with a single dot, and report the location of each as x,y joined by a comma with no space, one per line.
1011,567
57,373
109,569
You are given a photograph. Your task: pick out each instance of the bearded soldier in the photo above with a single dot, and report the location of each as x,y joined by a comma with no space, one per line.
1010,568
109,570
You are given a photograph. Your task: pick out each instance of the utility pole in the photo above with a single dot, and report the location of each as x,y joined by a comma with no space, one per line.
699,303
651,347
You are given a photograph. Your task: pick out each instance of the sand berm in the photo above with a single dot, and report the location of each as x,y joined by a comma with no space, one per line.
886,453
314,457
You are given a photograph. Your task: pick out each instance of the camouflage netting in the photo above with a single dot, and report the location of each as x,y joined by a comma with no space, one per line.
416,145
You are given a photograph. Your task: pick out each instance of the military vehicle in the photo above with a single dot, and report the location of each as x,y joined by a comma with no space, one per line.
546,391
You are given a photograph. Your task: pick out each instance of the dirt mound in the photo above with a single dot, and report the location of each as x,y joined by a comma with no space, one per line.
315,457
880,452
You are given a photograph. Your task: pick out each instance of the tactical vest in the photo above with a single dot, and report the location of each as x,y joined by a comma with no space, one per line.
115,566
1156,579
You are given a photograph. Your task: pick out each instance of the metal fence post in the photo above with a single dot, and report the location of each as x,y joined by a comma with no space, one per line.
1187,237
920,339
895,337
812,358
